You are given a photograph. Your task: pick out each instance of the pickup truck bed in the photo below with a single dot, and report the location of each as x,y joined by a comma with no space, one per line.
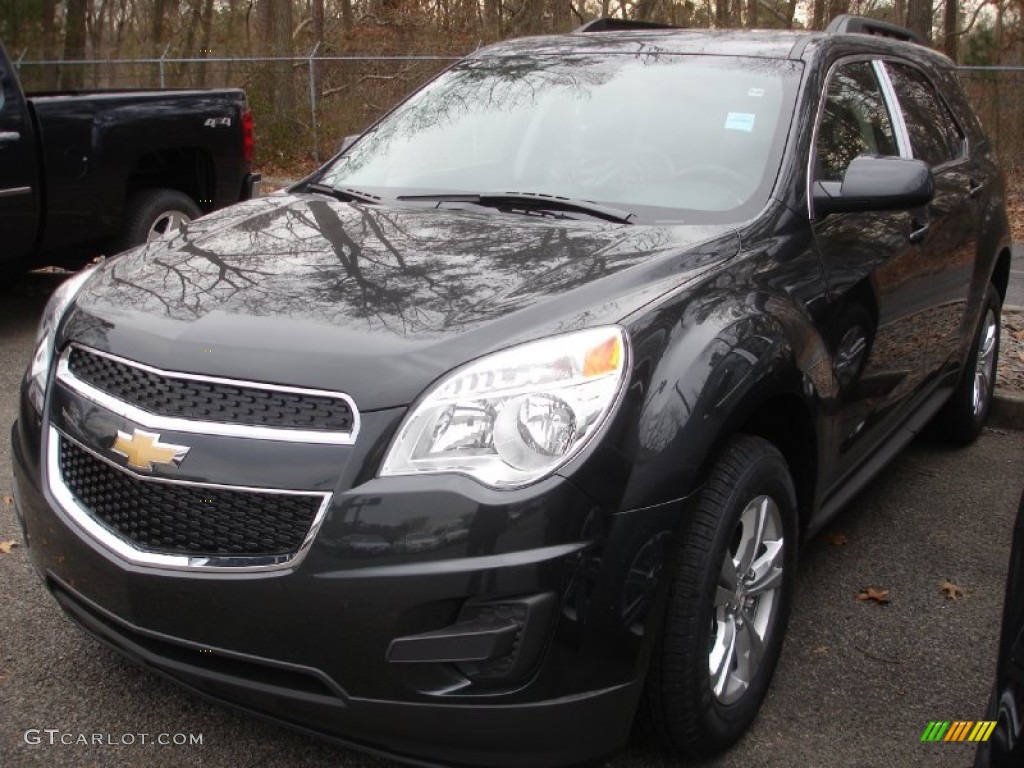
89,172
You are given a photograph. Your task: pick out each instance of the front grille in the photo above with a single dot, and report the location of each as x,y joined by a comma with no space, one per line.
209,400
178,519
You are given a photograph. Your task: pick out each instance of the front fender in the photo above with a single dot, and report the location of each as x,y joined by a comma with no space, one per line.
701,369
712,379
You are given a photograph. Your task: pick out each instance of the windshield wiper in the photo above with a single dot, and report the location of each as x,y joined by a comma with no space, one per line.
534,200
346,194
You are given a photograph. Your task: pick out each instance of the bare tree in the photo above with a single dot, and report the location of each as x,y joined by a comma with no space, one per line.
819,13
74,43
283,87
561,15
347,17
722,16
899,12
949,35
919,17
157,25
51,74
838,8
318,21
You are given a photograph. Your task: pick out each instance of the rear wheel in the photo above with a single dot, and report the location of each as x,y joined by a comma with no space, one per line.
729,602
963,416
153,213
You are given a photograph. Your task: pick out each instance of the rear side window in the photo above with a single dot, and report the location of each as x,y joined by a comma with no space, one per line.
854,121
934,135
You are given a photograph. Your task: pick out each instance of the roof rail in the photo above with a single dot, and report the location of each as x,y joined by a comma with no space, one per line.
613,25
848,24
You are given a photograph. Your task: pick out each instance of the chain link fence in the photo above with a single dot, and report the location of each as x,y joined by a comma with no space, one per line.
322,99
303,106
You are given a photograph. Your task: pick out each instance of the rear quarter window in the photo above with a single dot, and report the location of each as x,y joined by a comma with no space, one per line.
955,94
935,136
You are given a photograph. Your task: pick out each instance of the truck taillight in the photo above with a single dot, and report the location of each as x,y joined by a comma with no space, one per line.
247,136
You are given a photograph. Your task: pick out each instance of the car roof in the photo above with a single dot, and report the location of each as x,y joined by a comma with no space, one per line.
775,44
725,42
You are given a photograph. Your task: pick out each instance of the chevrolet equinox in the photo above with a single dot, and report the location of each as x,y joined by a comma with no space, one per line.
505,427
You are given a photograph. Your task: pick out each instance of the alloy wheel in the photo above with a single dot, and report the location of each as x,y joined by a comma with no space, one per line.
746,599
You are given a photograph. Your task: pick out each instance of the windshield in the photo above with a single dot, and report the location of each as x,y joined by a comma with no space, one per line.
667,137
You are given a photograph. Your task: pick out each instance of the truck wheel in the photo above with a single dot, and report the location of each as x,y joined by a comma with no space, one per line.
728,603
153,213
964,414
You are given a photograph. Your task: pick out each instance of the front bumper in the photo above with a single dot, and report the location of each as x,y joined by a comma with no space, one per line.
308,646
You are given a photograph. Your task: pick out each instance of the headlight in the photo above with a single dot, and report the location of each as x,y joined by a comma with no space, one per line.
39,368
515,416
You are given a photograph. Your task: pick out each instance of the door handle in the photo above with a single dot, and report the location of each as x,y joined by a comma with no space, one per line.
9,136
974,187
917,234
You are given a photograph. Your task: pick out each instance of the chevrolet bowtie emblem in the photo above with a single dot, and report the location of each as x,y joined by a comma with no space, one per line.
144,449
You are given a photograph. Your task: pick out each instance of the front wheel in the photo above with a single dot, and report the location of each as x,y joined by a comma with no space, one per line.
153,213
729,602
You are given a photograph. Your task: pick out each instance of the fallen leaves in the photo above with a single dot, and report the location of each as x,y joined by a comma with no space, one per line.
836,539
8,500
951,590
878,595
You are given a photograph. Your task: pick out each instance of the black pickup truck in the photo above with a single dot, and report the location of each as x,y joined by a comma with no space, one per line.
88,172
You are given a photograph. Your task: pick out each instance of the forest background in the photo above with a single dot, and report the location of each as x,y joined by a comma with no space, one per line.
318,70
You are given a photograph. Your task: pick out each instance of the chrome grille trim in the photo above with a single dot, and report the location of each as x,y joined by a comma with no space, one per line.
83,519
177,424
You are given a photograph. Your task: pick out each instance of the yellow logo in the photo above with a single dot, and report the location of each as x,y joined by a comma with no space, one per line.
144,449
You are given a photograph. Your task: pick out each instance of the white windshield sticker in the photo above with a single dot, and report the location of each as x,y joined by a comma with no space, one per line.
740,121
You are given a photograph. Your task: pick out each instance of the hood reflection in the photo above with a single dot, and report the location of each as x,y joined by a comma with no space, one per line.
288,283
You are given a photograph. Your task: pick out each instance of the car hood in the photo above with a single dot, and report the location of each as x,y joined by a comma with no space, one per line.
374,301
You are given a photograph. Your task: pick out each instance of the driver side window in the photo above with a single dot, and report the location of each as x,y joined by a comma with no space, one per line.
854,121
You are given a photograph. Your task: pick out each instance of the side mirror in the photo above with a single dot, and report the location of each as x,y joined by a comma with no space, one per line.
875,183
347,142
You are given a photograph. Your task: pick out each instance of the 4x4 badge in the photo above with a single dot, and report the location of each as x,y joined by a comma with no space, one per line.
144,449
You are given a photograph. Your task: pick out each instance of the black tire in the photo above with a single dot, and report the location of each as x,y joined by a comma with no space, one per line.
962,418
148,209
680,705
